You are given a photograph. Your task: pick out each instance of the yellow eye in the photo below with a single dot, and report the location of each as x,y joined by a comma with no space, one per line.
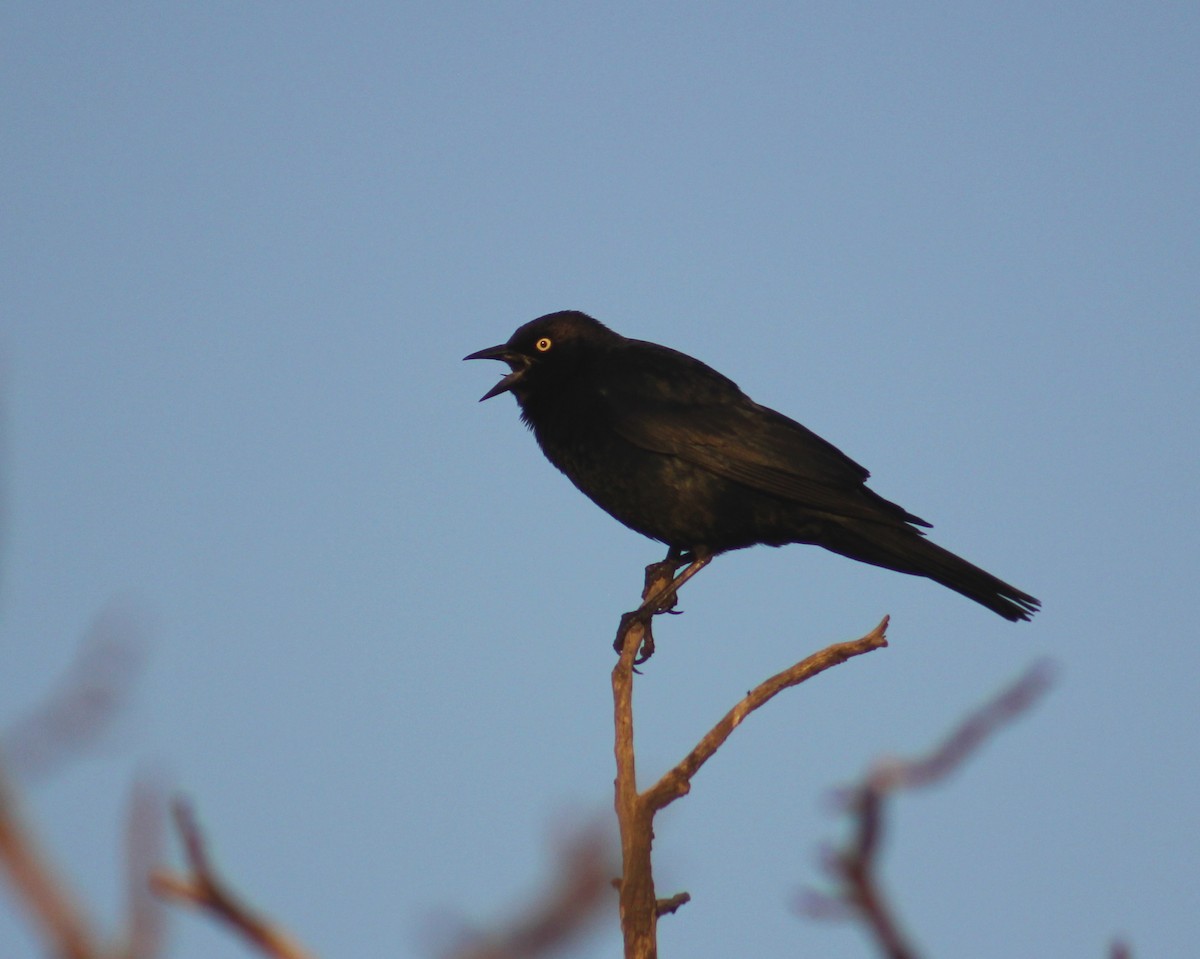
543,344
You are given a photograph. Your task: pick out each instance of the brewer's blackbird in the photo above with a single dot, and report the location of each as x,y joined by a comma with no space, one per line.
674,450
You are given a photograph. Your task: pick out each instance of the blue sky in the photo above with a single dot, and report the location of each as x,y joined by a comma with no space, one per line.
245,248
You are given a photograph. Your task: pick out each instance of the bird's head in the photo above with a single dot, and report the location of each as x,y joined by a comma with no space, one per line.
545,351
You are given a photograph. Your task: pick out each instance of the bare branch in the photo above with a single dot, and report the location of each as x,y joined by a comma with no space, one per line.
640,908
672,905
205,890
88,697
677,781
581,887
71,718
861,888
969,735
854,868
143,935
39,887
638,905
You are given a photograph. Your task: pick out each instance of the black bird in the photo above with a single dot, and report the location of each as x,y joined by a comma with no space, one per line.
674,450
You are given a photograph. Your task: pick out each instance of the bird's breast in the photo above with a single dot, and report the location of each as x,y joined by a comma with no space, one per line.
661,496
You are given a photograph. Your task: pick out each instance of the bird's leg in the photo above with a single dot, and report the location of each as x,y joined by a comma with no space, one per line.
664,569
664,598
657,576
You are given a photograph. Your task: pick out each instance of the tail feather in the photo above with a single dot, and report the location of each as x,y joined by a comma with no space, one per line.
907,551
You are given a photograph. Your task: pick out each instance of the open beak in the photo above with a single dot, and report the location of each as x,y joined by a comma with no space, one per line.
516,361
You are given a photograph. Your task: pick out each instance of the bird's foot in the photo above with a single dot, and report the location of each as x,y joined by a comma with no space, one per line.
659,576
629,621
659,595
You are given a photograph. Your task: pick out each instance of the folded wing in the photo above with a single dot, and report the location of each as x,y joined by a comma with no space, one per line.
732,436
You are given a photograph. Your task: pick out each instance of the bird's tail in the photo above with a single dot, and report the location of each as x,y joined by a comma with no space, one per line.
905,550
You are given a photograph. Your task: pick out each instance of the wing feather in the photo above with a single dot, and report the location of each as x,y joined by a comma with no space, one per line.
719,428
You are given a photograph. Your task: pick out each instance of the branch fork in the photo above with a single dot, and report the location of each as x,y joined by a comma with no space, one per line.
639,906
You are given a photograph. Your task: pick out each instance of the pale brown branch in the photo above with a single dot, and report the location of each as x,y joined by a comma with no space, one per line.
205,890
677,781
635,811
638,906
673,904
36,884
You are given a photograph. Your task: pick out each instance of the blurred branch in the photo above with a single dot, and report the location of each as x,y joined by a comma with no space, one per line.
39,887
968,736
854,868
72,718
89,696
144,931
640,908
206,891
580,888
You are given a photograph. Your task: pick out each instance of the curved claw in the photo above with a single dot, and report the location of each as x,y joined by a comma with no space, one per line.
647,646
662,600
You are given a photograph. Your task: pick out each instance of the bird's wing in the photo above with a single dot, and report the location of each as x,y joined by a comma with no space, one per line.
708,421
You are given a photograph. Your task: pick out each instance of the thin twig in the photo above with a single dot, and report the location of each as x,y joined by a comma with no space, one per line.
677,781
205,890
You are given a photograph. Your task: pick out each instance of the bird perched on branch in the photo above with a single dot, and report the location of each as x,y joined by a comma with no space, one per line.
676,451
